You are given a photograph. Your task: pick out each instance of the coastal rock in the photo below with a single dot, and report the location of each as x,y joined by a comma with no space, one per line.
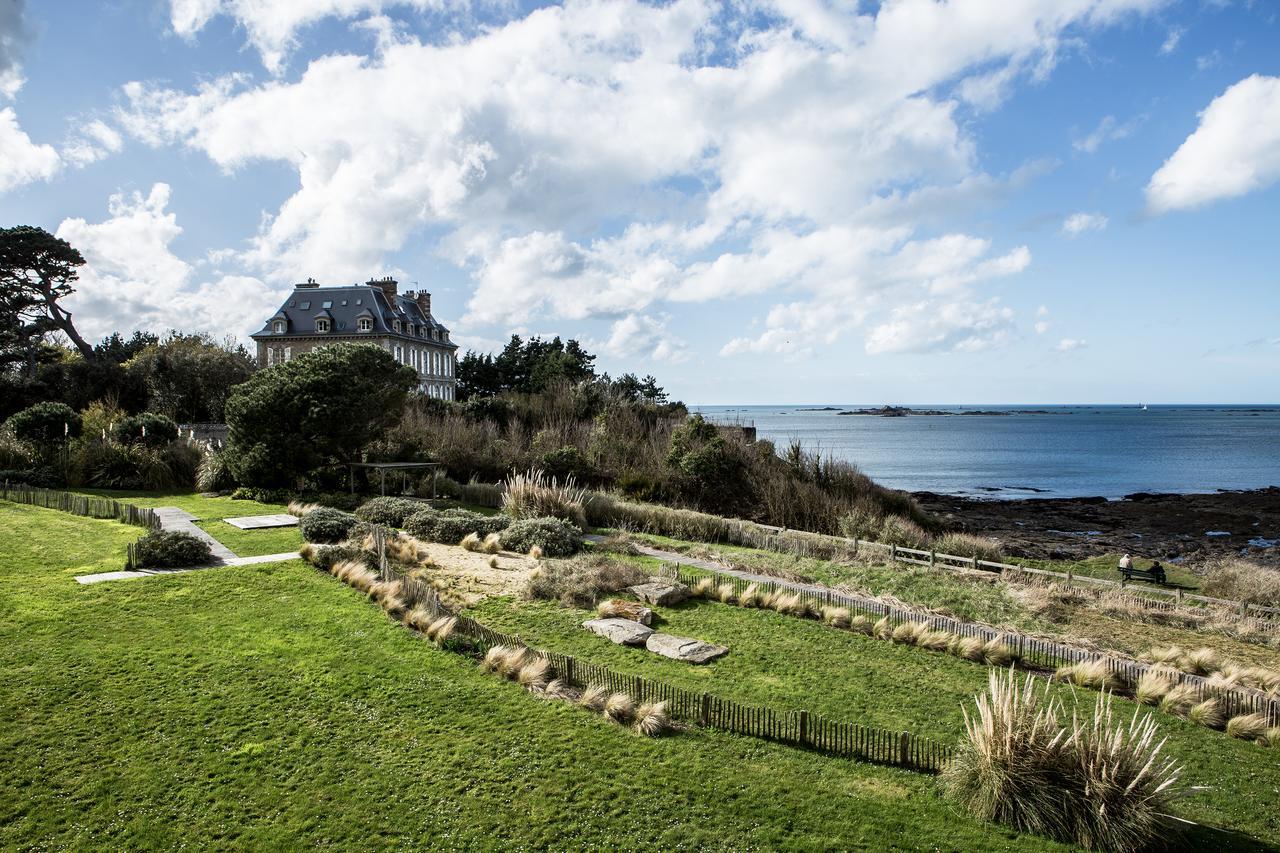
684,649
624,632
660,592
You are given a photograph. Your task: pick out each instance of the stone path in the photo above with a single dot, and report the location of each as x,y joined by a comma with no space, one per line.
261,522
180,521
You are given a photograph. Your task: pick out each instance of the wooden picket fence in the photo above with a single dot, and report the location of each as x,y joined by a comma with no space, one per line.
796,728
1032,651
88,506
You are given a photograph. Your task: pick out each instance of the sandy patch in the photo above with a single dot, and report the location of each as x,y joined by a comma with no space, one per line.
468,576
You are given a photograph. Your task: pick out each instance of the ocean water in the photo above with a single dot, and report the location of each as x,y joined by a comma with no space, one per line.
1039,451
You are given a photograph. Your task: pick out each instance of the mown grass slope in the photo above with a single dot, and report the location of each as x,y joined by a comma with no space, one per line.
270,706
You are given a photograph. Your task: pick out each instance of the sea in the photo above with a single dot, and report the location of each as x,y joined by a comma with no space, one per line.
1036,451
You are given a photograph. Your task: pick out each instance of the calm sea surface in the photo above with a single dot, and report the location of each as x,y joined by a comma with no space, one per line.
1069,451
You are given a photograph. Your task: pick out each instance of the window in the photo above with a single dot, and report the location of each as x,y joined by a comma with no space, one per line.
322,325
364,324
396,326
278,327
344,303
288,353
304,305
292,302
359,301
327,304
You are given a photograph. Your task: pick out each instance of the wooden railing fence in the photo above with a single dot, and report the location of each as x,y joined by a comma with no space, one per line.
797,728
1034,651
89,506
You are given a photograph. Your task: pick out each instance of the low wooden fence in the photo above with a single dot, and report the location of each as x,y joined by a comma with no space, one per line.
1034,651
796,728
85,505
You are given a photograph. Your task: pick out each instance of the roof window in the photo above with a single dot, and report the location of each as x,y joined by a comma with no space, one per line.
305,305
328,303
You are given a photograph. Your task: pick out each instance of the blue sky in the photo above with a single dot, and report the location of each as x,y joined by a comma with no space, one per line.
768,201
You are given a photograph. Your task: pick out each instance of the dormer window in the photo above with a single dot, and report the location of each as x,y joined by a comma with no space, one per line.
396,326
322,325
364,324
278,327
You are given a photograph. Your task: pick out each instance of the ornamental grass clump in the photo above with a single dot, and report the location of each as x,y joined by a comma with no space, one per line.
908,633
584,580
968,545
652,719
535,495
996,653
1179,700
442,629
619,707
1153,686
725,593
594,697
301,509
494,657
1248,727
1095,674
861,624
703,588
1207,713
535,674
969,648
936,641
470,542
1098,784
750,596
837,617
1202,661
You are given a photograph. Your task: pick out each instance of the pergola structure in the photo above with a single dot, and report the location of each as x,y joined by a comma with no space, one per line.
403,467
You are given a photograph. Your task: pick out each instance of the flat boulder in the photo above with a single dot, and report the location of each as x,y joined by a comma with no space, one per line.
686,649
624,632
660,592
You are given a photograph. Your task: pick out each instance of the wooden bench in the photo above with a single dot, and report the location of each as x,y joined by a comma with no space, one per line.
1154,575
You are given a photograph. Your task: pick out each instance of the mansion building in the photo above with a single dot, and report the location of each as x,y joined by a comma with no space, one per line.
374,312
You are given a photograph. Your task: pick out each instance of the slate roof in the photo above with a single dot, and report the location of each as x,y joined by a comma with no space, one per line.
343,305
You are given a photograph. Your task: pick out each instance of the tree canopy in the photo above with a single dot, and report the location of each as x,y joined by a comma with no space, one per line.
316,411
37,269
187,377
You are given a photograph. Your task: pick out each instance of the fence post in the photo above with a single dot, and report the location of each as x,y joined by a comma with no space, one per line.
804,727
568,669
904,748
932,558
704,716
1178,596
893,553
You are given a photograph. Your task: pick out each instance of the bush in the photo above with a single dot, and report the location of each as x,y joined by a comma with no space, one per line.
388,510
262,496
171,549
137,466
555,537
583,581
1095,784
327,525
535,495
147,428
967,545
451,526
40,478
325,557
45,424
896,530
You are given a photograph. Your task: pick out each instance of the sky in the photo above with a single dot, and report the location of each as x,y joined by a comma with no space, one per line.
765,201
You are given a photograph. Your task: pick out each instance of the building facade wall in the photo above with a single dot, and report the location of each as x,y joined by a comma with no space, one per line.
435,365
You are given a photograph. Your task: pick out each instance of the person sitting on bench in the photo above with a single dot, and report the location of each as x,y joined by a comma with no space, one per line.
1126,563
1157,572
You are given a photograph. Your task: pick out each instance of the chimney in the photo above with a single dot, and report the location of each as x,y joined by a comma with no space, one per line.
424,303
388,286
310,282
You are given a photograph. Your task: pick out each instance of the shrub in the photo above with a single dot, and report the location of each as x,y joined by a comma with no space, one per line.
535,495
554,537
171,549
896,530
326,525
325,557
139,466
451,526
390,511
1096,784
39,478
583,581
45,424
262,496
147,428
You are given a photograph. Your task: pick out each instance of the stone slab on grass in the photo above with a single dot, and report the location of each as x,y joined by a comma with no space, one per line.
684,648
660,593
624,632
262,522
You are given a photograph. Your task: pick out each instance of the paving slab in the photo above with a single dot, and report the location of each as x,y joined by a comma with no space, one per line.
684,648
261,522
180,521
146,573
624,632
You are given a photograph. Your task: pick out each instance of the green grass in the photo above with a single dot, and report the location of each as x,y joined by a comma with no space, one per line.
790,663
252,543
271,707
204,508
1105,567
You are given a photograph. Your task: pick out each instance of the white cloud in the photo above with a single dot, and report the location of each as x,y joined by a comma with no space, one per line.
13,38
1170,43
1042,311
1041,327
21,160
1070,344
1078,223
803,152
1208,60
930,326
639,335
272,26
1108,129
132,280
95,141
1234,151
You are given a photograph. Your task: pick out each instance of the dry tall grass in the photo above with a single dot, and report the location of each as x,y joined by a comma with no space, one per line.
652,719
535,495
1242,580
619,707
1097,784
1096,674
1248,727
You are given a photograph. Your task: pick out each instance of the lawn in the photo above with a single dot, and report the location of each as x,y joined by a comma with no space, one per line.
270,706
790,663
252,543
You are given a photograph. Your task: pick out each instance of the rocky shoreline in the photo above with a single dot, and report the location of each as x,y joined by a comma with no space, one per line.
1164,526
